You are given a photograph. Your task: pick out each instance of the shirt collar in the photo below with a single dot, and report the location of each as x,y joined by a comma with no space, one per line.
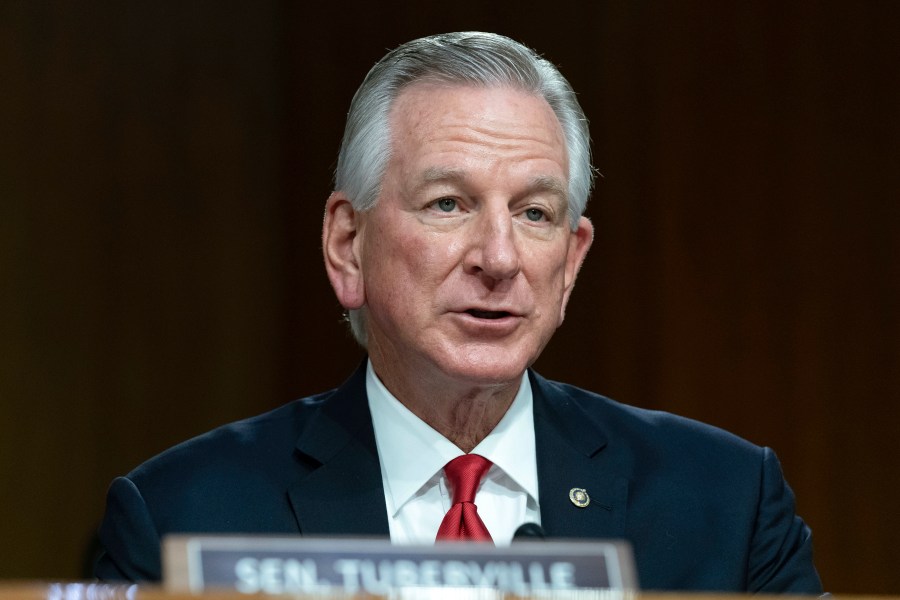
411,452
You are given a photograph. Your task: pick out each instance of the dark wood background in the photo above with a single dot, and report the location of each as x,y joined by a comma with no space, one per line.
163,170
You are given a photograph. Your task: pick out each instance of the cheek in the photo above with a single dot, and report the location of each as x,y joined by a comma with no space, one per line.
548,277
547,259
427,256
399,266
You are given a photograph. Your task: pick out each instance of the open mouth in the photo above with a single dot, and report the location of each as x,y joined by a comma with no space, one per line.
488,314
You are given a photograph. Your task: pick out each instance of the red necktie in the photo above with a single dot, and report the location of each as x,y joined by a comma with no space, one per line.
462,521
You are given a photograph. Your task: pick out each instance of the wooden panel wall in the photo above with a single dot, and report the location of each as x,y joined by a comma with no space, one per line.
163,168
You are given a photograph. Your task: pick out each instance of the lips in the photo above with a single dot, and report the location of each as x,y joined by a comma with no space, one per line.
488,314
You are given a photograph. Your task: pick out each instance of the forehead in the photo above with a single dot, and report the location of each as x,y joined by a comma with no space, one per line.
428,113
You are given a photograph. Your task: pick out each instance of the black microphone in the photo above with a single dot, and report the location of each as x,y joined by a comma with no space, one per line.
528,531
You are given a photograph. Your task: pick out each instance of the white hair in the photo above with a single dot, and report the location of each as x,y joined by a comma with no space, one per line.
465,58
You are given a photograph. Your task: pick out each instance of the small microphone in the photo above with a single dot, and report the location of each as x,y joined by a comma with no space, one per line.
529,531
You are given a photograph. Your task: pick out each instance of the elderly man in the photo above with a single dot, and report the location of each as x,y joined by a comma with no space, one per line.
453,238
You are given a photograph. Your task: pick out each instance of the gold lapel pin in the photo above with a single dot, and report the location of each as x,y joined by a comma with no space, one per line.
579,497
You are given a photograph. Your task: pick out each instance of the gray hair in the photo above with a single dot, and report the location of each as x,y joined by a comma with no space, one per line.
466,58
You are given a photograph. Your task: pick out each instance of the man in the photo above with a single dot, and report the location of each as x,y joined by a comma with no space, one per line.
453,238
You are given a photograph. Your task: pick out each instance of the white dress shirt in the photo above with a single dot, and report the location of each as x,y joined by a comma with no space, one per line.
413,455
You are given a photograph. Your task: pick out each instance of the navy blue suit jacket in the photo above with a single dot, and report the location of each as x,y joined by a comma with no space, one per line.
703,509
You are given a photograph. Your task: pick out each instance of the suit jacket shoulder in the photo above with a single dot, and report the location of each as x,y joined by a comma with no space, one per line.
191,484
293,470
702,508
638,432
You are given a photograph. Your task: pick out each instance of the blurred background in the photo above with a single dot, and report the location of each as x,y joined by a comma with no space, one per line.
163,172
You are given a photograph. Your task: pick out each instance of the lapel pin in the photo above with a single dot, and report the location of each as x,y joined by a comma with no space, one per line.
579,497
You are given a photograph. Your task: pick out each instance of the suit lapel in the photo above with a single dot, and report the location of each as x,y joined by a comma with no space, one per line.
343,492
572,454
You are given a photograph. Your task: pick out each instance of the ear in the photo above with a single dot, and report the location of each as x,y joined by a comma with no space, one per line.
340,243
579,244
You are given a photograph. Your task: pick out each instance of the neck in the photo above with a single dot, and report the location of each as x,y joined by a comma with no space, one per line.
464,413
467,419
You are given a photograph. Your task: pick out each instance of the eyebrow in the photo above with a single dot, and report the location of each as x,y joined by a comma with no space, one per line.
548,183
441,175
539,183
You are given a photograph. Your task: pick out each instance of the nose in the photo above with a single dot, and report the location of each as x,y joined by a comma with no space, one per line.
493,253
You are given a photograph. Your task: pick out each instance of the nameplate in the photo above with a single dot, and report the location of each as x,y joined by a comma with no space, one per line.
296,565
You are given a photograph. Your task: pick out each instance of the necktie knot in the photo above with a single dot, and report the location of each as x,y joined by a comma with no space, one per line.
464,474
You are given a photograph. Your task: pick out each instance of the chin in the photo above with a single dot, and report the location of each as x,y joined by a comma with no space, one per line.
495,367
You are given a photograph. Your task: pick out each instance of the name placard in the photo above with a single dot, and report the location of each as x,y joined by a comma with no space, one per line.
295,565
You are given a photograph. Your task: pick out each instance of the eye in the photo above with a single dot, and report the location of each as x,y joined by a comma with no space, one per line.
535,214
446,204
